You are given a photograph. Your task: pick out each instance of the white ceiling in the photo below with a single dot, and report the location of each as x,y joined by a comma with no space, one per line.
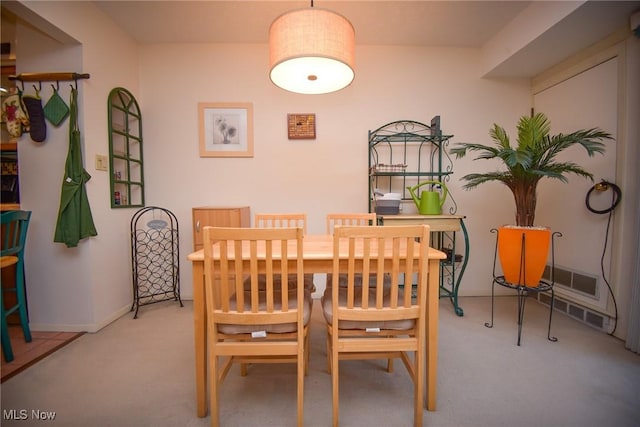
439,23
469,24
378,22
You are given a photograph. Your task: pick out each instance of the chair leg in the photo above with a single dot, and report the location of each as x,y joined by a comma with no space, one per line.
4,330
301,372
328,349
214,386
334,382
21,306
306,351
390,365
6,341
418,387
22,301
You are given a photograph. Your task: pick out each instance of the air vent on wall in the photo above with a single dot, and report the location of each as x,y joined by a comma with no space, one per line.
583,314
584,283
5,48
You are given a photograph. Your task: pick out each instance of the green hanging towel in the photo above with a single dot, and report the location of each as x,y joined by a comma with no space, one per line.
74,217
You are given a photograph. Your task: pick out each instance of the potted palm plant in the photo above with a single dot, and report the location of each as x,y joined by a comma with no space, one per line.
532,158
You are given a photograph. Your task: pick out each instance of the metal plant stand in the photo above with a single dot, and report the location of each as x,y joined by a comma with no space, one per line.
155,257
523,290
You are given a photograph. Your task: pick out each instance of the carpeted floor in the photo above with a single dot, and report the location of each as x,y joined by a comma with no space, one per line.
141,373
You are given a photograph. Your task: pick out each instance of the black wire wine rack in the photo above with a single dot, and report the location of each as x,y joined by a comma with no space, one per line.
155,257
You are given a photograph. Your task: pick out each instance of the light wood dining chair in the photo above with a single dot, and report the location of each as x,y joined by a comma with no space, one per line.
257,324
278,220
362,219
353,219
367,322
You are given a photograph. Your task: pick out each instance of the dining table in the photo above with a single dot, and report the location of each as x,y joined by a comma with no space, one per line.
317,259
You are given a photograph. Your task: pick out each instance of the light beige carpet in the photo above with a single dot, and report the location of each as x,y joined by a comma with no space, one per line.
141,373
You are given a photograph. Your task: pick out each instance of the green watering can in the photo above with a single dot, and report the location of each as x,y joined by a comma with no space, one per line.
430,202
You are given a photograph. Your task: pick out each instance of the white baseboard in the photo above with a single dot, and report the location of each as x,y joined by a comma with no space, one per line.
90,327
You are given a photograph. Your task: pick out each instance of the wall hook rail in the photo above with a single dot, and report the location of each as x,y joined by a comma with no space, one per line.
49,77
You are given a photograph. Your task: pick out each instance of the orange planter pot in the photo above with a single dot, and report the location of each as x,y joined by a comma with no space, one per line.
518,268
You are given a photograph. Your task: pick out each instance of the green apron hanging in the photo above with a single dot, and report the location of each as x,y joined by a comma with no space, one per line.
74,217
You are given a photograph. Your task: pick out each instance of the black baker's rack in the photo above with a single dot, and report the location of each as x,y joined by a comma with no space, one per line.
155,257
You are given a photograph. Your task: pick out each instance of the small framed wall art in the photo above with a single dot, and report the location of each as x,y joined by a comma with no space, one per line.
226,129
301,126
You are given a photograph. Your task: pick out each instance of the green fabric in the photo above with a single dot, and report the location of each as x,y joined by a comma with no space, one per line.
75,221
56,109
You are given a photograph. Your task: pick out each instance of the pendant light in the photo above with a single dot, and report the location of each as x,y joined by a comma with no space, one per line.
311,51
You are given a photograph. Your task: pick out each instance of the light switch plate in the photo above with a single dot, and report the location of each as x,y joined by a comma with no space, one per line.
102,164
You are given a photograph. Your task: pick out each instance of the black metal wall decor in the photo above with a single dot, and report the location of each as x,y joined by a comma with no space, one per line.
155,257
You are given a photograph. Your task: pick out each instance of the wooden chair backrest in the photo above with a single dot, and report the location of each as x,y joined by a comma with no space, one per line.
14,232
361,219
280,220
274,253
401,257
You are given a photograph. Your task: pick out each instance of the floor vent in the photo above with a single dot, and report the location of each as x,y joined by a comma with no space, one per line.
583,314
